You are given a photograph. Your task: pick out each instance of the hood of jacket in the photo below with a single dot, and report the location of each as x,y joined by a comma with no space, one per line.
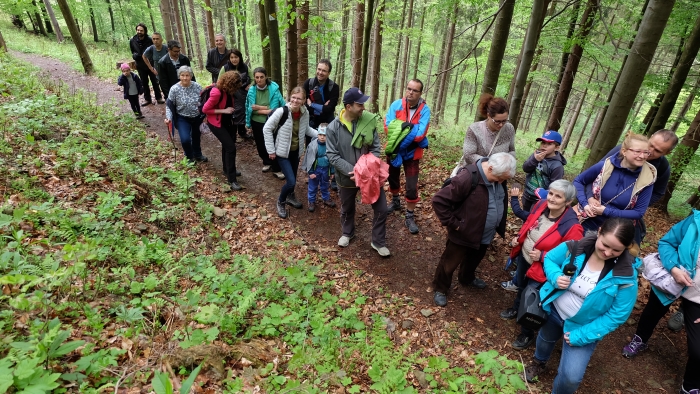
645,175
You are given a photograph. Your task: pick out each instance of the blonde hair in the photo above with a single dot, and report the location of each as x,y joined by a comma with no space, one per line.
296,90
627,142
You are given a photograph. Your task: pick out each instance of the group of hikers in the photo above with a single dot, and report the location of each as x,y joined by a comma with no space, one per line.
581,260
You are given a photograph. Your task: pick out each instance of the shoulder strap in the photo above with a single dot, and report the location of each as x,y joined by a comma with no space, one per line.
283,119
475,181
572,246
495,140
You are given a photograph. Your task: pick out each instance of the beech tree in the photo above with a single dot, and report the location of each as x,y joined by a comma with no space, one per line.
54,22
76,37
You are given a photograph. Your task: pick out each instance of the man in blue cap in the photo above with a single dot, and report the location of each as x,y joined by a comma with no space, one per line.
543,167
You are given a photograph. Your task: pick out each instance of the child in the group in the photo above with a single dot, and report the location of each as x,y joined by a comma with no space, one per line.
543,167
133,88
320,171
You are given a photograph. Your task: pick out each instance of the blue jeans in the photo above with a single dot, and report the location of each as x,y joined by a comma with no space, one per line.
289,167
190,137
574,359
523,281
322,180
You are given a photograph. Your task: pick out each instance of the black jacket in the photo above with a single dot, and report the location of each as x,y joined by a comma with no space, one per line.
137,48
331,92
213,64
167,74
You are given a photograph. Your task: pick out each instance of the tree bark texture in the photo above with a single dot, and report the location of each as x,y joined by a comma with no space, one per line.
448,60
3,45
95,34
231,26
293,79
406,45
420,39
565,54
178,23
342,54
302,24
188,37
150,14
376,59
39,21
631,77
396,70
166,14
369,12
654,109
275,47
680,159
210,22
195,31
54,22
263,36
358,28
567,82
76,37
692,45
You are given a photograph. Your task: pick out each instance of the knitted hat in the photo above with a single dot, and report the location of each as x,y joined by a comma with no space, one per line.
125,66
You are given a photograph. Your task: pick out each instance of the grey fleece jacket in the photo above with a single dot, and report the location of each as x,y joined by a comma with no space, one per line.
340,152
283,143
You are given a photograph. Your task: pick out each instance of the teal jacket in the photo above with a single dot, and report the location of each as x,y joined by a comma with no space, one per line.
610,302
276,99
679,248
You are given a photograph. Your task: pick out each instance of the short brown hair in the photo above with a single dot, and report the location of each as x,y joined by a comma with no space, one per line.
491,106
230,82
296,90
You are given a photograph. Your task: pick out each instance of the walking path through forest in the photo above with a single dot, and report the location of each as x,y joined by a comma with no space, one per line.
470,322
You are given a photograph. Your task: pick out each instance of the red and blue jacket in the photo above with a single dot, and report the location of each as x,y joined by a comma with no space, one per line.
412,146
566,228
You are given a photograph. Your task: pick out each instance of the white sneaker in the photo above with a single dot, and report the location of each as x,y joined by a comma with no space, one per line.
382,250
345,240
509,286
266,168
279,175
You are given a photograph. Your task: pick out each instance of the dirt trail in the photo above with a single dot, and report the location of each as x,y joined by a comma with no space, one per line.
409,271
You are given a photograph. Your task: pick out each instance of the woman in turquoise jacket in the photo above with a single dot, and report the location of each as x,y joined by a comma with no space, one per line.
678,250
589,305
263,98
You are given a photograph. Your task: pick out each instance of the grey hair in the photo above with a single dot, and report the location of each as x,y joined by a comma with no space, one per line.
184,69
564,186
502,164
220,35
667,135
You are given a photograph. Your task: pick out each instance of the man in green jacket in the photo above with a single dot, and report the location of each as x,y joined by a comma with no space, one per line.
350,135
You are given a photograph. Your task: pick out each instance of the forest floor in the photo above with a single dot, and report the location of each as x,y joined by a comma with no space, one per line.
470,323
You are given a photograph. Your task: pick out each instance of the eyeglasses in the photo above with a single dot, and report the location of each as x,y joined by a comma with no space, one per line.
639,152
499,122
413,90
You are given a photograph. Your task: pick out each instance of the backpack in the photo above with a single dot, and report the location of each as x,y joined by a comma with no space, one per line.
283,120
204,97
475,180
312,87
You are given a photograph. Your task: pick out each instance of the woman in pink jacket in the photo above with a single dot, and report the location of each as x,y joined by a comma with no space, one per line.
219,110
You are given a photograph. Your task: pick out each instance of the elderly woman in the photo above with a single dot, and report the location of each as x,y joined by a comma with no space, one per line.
219,110
235,63
471,208
549,223
679,252
182,111
622,185
288,145
590,304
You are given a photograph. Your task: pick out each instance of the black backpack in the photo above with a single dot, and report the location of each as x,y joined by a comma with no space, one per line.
475,180
283,120
204,97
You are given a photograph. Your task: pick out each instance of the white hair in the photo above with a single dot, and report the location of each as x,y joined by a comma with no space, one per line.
184,69
502,164
564,186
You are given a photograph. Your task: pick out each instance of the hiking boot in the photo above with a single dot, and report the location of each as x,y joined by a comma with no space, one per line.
684,391
266,168
292,200
160,101
522,342
478,283
634,347
334,185
312,207
533,370
236,187
329,203
509,314
238,173
509,286
382,250
140,116
395,205
440,299
281,210
201,159
278,175
411,223
146,103
675,323
345,240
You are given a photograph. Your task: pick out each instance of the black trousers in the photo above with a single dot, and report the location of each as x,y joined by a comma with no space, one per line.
227,137
134,101
260,145
240,128
654,311
145,74
454,256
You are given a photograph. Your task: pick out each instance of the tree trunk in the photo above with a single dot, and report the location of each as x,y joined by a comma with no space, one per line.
293,79
210,21
342,54
263,37
95,35
680,159
430,73
459,100
420,40
376,59
631,77
302,24
583,130
39,21
244,31
3,45
406,45
438,78
231,26
654,109
686,106
150,14
396,71
577,112
567,82
319,47
195,30
533,103
692,45
528,53
166,13
448,58
498,48
565,54
357,43
186,27
275,46
47,20
76,37
57,28
178,23
369,11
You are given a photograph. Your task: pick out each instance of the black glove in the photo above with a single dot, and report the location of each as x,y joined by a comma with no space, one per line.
406,124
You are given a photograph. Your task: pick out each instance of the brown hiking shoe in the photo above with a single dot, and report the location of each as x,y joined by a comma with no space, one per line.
533,370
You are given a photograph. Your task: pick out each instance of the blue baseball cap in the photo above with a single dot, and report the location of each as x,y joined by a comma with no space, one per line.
354,95
550,136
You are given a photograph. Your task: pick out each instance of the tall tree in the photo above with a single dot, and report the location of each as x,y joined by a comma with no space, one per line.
303,41
567,82
369,12
420,39
166,13
681,158
498,48
150,13
651,112
210,21
342,54
686,105
358,29
263,38
692,45
39,21
3,45
406,45
292,50
376,59
565,54
195,31
396,71
231,25
186,26
111,20
76,37
275,47
631,77
448,60
244,32
178,23
54,22
93,23
528,53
